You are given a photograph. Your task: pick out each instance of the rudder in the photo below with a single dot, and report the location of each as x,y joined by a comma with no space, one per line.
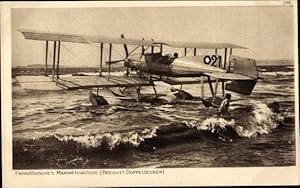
246,67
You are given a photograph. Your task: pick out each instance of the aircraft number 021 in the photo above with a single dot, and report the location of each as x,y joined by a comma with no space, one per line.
212,60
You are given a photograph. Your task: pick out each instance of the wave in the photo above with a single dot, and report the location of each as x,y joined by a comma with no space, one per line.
261,120
256,119
110,140
278,73
261,69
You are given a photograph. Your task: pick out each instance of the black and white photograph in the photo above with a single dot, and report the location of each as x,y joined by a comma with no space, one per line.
153,87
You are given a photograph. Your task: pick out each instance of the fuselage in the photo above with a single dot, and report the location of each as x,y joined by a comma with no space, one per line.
166,65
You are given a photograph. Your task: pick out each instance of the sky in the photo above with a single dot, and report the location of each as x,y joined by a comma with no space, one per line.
267,31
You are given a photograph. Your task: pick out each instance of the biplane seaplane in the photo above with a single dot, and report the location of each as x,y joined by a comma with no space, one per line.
236,74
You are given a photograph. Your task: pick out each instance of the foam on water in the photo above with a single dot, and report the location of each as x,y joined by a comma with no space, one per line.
110,140
261,120
211,124
278,73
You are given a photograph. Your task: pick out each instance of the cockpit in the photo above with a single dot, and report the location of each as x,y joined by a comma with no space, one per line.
159,58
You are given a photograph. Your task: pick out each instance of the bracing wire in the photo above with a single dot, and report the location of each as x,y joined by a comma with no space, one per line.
115,49
78,58
69,50
134,49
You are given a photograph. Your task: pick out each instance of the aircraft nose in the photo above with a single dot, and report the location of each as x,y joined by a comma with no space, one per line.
126,62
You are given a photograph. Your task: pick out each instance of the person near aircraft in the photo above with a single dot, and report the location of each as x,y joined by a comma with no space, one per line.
223,108
168,58
175,55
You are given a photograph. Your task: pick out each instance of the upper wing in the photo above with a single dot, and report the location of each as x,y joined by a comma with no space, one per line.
66,37
199,45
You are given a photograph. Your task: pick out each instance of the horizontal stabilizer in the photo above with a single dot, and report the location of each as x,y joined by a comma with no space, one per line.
199,45
228,76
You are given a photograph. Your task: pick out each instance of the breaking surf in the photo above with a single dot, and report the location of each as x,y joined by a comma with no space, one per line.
252,121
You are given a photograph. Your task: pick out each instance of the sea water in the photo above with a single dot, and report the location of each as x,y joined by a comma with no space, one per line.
61,129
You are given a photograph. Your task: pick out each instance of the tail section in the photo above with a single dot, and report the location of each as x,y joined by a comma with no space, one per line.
246,67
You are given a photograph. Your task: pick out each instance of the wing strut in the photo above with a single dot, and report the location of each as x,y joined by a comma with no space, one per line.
152,83
58,57
54,57
109,59
126,53
224,66
225,57
125,46
101,59
216,87
210,86
216,53
143,49
230,53
46,58
152,48
202,87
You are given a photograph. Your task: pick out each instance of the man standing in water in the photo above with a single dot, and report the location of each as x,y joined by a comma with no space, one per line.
223,108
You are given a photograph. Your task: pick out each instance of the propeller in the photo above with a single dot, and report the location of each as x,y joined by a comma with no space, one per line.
125,46
115,61
126,63
127,54
125,60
